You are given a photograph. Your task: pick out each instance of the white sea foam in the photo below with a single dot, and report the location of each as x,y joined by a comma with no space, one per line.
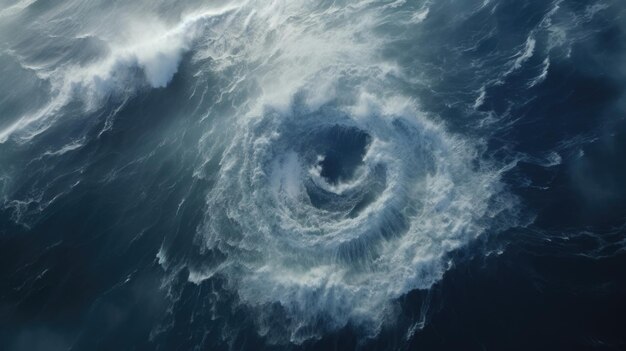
480,100
421,15
543,75
523,55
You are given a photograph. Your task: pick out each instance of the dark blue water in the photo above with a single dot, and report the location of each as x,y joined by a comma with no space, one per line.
334,175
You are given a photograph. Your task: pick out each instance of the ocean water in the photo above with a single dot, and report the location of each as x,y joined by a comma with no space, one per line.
312,175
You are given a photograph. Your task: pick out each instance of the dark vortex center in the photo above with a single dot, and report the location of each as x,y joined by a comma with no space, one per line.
343,149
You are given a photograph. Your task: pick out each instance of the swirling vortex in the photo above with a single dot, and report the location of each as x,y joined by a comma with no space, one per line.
332,213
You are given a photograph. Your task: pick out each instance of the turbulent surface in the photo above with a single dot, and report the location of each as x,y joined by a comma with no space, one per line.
317,175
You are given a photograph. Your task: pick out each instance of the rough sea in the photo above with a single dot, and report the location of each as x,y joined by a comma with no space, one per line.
312,175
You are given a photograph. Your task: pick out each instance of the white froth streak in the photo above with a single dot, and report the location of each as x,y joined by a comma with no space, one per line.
16,8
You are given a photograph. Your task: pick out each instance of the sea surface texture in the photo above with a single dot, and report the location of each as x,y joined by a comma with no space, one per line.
312,175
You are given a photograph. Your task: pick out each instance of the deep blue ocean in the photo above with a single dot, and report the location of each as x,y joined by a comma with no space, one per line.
312,175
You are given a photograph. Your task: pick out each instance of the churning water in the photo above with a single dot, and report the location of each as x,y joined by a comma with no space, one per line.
312,174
